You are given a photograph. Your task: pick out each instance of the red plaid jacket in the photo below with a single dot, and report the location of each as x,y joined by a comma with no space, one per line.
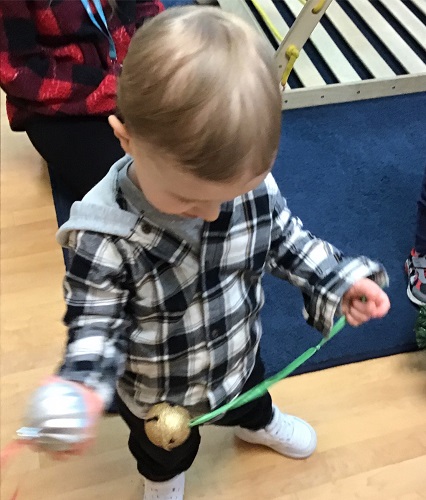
54,61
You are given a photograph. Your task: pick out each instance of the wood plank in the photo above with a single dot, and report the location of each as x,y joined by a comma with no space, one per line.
272,18
407,19
330,52
304,67
241,9
421,5
397,46
367,89
358,42
375,484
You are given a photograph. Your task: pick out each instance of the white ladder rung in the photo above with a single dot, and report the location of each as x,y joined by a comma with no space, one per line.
407,19
304,67
330,52
358,42
399,48
421,5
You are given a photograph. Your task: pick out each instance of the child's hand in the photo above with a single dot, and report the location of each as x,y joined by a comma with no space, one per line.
65,415
365,300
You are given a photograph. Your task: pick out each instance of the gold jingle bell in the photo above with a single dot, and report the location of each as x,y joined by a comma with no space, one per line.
167,425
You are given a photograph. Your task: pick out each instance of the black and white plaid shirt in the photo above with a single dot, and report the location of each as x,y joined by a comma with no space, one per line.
171,323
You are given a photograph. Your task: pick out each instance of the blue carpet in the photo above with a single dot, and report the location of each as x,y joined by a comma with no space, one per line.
352,173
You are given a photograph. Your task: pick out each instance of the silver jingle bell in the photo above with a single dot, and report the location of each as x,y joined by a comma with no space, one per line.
56,417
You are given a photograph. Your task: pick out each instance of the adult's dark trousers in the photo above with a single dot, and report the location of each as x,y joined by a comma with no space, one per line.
157,464
420,238
79,151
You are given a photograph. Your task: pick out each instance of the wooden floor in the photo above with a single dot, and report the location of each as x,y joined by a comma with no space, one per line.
370,417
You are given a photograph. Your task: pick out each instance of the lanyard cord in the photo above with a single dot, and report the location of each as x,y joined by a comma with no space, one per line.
105,31
261,389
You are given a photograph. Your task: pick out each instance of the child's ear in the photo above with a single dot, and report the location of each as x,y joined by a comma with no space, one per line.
121,132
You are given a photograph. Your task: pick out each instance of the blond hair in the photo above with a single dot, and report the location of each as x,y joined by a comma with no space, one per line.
200,85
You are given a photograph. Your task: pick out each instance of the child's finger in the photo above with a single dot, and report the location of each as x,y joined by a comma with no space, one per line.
355,317
382,306
364,307
352,321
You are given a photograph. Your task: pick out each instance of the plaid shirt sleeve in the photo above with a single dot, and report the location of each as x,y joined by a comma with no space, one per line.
98,325
321,271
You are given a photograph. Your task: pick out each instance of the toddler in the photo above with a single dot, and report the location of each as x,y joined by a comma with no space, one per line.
164,289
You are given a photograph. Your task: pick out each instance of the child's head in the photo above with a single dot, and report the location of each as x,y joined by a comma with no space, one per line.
199,92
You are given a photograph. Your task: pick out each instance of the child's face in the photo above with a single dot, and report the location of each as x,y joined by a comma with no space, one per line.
172,190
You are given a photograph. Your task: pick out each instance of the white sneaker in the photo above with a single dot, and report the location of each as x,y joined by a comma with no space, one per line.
166,490
288,435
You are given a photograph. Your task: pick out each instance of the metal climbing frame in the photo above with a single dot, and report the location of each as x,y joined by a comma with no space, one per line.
355,49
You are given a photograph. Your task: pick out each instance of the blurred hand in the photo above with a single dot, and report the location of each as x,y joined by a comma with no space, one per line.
66,414
365,300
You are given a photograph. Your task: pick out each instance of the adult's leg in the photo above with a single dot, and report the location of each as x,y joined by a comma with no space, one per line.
415,265
420,237
78,150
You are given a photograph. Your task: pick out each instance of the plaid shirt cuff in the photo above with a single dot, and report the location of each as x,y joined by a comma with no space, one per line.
325,302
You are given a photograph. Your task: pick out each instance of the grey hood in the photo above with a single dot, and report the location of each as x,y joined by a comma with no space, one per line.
99,211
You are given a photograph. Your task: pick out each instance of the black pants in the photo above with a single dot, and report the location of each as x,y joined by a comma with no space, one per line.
157,464
420,241
78,150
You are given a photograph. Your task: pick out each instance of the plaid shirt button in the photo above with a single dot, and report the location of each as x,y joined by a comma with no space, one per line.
146,228
215,334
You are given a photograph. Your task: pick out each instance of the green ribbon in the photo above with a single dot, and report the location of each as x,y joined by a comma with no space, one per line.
262,388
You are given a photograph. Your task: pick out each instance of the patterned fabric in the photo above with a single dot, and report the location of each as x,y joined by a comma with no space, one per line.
54,61
184,327
415,267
